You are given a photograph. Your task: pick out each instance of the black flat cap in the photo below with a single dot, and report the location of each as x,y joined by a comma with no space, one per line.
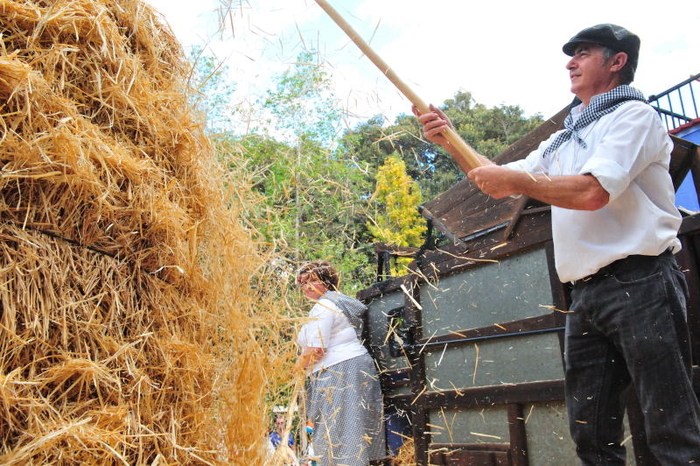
608,35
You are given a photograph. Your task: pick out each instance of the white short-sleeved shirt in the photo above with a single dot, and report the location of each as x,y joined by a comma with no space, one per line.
628,151
328,328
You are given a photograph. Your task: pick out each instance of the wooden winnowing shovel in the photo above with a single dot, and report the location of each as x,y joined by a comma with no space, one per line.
469,158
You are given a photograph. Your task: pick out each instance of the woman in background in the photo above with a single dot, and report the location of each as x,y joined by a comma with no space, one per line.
344,399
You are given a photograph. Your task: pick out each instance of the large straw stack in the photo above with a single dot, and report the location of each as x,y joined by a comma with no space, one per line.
127,327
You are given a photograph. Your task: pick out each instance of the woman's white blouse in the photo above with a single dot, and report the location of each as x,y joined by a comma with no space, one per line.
328,328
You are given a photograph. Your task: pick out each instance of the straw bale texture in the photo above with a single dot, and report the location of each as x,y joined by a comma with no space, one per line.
128,328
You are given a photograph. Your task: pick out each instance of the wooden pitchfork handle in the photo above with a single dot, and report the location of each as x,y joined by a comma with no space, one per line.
469,158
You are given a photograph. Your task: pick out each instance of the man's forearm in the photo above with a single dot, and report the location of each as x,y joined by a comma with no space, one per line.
579,192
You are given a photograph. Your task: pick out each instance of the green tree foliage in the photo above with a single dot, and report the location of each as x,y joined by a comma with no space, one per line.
313,198
488,130
314,182
302,106
371,143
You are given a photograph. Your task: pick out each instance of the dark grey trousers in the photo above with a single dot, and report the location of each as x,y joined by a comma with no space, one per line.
628,325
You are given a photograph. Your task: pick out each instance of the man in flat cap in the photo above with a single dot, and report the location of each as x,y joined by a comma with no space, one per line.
614,228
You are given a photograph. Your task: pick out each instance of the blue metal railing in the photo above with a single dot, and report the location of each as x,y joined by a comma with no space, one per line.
679,104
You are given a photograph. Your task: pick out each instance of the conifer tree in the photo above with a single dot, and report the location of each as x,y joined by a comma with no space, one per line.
397,197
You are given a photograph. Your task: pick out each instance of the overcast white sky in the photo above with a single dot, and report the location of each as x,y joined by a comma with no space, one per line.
505,52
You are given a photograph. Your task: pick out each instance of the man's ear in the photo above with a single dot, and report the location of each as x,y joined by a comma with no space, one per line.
618,61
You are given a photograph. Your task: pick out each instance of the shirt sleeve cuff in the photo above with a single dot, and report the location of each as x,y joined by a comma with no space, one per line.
611,176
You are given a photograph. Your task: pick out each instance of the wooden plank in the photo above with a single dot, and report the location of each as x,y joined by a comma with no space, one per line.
403,251
530,392
441,227
401,402
448,261
377,290
420,439
518,435
690,225
471,218
446,447
417,412
682,157
522,201
695,170
689,261
505,329
391,380
476,458
470,454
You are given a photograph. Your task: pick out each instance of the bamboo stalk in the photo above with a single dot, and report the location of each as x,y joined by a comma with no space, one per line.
469,158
